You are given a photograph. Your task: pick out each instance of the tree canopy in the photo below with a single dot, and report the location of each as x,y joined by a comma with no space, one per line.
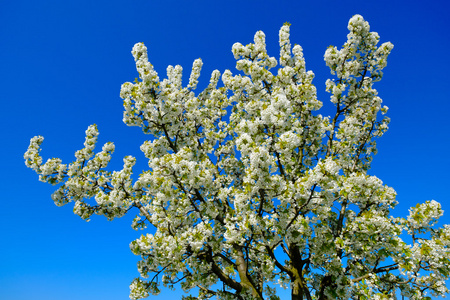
250,188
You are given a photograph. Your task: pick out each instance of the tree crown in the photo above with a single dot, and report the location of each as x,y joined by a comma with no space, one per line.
249,186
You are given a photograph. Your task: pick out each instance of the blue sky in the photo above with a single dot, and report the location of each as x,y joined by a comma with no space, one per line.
62,66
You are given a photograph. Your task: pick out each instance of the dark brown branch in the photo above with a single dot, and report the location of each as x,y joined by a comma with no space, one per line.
303,206
172,146
219,273
376,271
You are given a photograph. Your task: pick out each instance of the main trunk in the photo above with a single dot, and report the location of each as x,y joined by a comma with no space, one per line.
296,292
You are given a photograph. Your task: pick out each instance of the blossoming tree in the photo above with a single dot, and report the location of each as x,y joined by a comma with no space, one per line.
249,188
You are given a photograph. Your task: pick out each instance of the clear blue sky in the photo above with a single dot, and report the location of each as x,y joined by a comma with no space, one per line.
62,66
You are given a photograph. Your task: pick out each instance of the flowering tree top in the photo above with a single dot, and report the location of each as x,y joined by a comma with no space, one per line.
250,187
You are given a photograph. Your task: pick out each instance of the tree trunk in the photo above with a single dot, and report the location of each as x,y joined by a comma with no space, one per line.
296,292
